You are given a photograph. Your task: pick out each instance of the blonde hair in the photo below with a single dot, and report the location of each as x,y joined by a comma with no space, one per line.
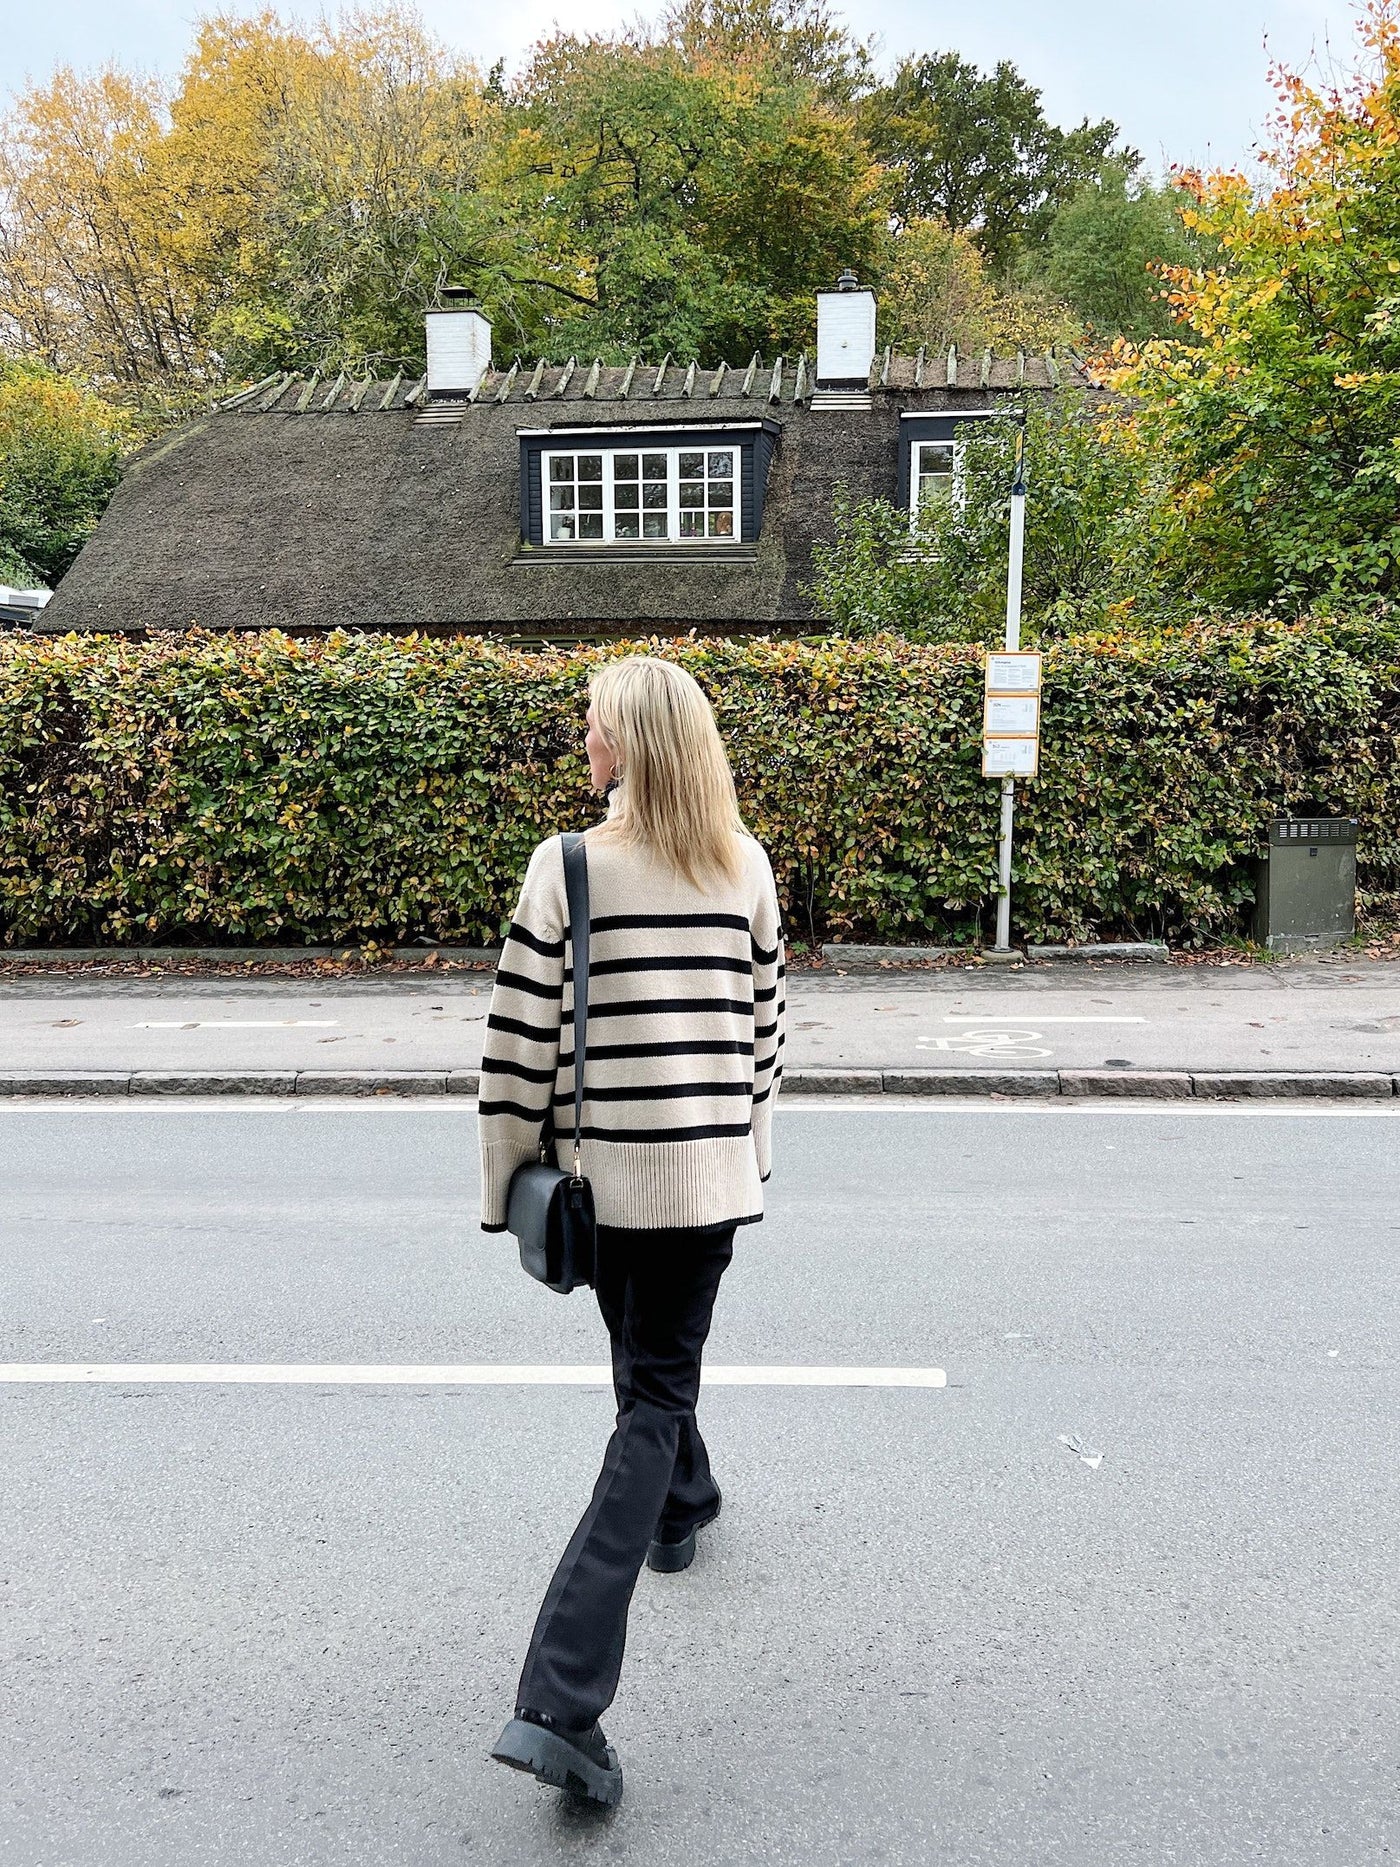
675,799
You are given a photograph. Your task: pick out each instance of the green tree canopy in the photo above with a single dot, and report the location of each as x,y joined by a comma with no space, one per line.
675,205
1278,423
976,151
60,455
1103,246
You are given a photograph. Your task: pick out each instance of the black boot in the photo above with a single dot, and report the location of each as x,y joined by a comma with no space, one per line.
582,1763
668,1555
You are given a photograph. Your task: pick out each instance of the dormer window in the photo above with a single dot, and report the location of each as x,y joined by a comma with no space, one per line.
624,495
634,490
934,476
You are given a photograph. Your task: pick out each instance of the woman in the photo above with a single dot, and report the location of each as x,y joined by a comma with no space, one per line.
686,1000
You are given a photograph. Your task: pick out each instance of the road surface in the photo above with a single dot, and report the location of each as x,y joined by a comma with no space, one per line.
1122,1592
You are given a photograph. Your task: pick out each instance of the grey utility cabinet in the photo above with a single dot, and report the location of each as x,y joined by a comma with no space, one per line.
1306,893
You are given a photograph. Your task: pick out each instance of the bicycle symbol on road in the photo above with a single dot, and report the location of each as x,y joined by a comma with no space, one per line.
987,1044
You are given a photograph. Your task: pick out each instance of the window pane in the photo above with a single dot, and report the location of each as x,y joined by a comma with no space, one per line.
561,467
721,492
624,466
625,496
653,466
654,525
721,525
722,466
935,457
626,525
590,524
692,466
692,493
561,498
652,494
591,497
561,525
692,525
590,466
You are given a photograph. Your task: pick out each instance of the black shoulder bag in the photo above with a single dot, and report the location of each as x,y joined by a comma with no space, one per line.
550,1211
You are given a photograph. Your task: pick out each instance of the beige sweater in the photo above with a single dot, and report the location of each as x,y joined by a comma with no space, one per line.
685,1038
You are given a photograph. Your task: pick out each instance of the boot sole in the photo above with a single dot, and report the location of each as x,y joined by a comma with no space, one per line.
552,1759
671,1558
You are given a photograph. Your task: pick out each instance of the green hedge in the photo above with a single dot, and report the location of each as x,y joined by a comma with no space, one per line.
355,787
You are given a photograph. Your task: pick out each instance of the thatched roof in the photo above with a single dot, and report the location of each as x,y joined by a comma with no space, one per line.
308,504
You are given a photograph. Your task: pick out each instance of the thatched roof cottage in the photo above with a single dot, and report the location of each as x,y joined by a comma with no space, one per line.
534,500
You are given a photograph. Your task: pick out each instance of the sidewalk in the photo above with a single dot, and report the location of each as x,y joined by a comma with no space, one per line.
968,1031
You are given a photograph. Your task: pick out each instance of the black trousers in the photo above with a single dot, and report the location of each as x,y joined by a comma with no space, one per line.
656,1291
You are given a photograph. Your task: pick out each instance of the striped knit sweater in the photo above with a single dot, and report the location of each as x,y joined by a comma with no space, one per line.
685,1038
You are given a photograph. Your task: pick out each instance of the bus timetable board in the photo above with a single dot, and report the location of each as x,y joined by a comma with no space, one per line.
1011,716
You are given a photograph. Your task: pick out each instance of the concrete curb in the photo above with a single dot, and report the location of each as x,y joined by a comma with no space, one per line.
1151,1085
855,958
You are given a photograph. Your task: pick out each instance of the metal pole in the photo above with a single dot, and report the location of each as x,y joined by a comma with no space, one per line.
1015,566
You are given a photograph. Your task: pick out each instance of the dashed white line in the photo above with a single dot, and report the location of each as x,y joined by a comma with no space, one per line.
1030,1017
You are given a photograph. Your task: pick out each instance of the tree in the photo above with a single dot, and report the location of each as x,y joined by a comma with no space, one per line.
311,173
60,456
290,202
796,42
1278,423
672,207
937,290
1091,538
977,152
91,275
1105,250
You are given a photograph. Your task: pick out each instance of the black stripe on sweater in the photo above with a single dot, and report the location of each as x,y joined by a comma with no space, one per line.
537,1033
616,923
550,949
517,982
681,1047
699,962
660,1092
764,1030
711,1131
645,1007
761,954
497,1066
518,1109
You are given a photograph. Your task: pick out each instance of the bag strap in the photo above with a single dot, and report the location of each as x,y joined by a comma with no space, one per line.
576,888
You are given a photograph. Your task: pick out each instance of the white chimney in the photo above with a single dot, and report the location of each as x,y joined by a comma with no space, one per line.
459,343
845,334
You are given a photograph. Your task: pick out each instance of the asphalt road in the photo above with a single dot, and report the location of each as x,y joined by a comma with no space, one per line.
281,1624
1310,1014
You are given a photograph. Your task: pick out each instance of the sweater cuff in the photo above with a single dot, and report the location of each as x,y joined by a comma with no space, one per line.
499,1161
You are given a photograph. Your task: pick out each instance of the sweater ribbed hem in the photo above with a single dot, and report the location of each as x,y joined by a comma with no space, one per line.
652,1184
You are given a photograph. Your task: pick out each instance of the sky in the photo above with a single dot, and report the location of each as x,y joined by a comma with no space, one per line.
1186,81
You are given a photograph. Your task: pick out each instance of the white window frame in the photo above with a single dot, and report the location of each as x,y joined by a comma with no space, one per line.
959,488
579,447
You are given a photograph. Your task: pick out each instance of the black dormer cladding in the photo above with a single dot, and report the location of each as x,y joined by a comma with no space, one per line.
936,425
754,442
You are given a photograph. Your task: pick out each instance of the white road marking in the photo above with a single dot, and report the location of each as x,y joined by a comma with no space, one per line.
235,1024
438,1374
977,1017
1000,1042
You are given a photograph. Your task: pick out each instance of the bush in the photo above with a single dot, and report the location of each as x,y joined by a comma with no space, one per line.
350,787
1092,537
